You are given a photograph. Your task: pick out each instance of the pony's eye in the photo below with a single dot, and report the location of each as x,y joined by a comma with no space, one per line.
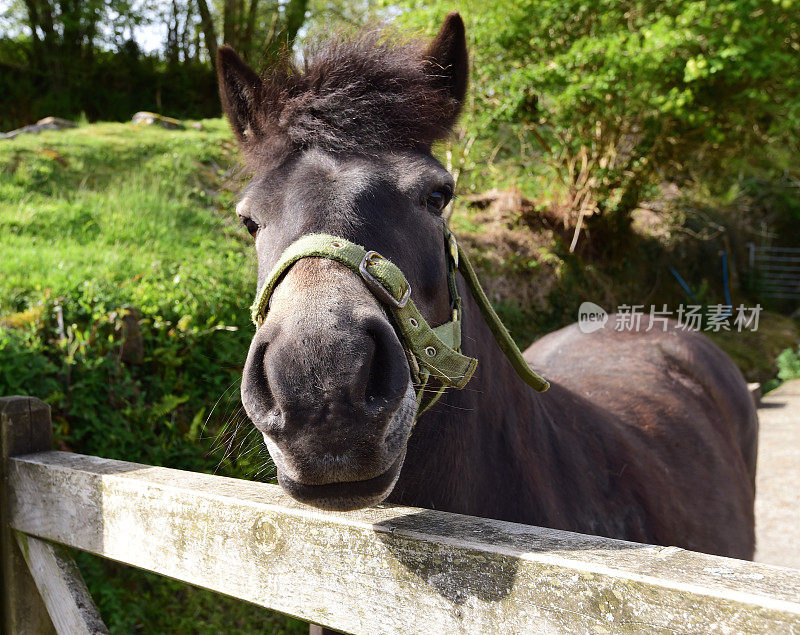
250,225
438,199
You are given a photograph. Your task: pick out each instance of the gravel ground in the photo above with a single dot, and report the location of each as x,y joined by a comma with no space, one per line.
778,477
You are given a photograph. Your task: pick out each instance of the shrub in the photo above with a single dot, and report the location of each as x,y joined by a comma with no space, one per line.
615,97
789,364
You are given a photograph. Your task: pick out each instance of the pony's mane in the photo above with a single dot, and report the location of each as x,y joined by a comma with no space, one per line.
360,94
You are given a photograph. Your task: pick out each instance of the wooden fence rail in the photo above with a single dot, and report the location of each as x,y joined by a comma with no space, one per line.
385,570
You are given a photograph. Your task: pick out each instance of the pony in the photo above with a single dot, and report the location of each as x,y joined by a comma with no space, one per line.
645,435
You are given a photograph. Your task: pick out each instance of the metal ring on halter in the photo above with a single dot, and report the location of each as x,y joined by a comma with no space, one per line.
377,288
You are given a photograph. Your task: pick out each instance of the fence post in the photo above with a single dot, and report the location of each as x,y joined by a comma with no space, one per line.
24,428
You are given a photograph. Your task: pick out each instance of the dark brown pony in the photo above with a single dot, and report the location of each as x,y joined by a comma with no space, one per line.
646,436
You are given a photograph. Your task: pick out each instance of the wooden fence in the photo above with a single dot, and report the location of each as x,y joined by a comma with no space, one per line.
384,570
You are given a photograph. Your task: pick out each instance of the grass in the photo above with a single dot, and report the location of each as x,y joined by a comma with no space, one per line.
120,204
104,217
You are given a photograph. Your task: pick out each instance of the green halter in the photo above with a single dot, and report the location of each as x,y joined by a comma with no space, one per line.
432,352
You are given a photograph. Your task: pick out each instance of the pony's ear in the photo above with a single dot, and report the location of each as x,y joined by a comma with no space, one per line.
448,61
240,90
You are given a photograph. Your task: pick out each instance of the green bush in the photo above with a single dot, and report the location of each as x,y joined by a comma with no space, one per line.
597,103
155,410
789,364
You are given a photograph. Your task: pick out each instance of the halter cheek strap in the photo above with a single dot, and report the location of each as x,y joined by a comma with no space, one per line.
432,352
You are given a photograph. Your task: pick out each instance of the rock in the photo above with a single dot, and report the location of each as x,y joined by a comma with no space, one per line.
24,130
55,123
153,119
196,125
48,123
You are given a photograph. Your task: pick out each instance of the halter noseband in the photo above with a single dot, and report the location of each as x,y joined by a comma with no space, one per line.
432,352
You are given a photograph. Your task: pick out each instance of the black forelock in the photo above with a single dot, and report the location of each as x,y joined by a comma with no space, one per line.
362,94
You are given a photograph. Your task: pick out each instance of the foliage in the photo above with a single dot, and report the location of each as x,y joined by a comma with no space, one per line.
255,29
153,412
98,221
134,601
54,55
789,364
130,83
756,352
616,96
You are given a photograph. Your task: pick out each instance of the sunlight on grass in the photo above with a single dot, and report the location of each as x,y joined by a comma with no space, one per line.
100,219
116,203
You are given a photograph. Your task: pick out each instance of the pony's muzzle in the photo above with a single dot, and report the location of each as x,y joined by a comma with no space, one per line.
327,382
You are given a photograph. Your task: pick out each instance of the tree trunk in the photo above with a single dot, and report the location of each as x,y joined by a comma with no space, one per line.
172,36
209,35
247,43
45,14
239,25
295,16
227,21
33,22
71,34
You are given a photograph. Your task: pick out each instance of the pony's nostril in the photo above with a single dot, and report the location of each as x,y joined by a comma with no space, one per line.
386,368
256,396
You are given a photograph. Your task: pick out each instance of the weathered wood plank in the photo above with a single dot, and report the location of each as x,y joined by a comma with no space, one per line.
61,586
388,569
24,428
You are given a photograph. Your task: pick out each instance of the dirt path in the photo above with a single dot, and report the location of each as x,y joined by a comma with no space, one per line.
778,477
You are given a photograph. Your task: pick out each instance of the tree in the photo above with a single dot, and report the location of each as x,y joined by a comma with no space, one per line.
252,28
209,32
65,33
182,31
619,95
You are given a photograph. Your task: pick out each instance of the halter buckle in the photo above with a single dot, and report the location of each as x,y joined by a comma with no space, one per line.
377,288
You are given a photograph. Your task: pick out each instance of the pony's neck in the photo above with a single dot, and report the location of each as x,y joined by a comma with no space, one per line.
480,446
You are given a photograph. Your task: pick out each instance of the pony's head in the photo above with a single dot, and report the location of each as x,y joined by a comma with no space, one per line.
342,146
